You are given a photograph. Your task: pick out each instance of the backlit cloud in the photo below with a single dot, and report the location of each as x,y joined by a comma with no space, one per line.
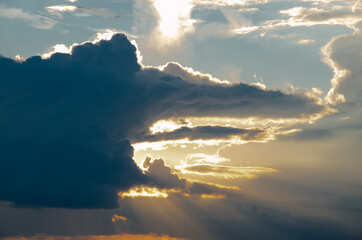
344,58
222,171
168,183
85,106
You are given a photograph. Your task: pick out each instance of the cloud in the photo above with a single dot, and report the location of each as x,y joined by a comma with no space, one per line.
58,9
237,100
315,16
166,183
221,171
228,3
204,132
343,56
61,8
206,158
34,20
175,21
190,75
67,120
305,41
59,127
307,17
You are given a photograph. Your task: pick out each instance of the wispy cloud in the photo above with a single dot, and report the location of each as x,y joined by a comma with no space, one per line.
85,11
34,20
305,41
305,17
222,171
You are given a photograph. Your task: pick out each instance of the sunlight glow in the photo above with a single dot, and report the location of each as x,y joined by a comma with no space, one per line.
269,128
166,126
169,125
190,75
106,34
174,18
200,158
161,145
59,48
144,191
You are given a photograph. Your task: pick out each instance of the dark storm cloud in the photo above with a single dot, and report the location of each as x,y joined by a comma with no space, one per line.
65,121
238,100
59,121
204,132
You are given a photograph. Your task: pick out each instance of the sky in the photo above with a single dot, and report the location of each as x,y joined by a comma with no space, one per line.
180,119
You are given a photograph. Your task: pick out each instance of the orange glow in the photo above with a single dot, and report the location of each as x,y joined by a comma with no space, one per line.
118,218
213,196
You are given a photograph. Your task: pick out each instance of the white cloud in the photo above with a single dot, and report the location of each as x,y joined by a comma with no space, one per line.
61,8
306,17
305,41
343,55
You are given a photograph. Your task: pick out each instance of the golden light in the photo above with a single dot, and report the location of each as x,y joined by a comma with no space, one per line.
213,196
116,218
165,126
144,191
162,145
169,125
